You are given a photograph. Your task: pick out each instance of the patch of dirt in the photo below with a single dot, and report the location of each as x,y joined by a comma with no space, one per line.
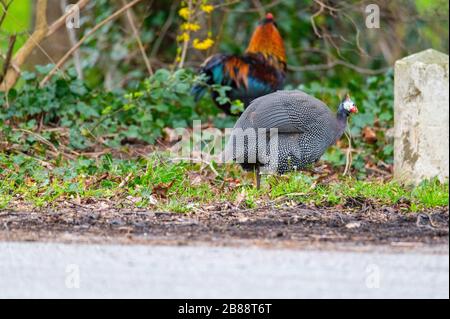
297,226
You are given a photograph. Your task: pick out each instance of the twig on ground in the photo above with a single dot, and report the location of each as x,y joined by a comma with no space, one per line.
53,149
43,163
39,137
125,181
285,196
378,171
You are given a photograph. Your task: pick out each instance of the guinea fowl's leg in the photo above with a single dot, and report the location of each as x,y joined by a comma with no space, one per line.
257,177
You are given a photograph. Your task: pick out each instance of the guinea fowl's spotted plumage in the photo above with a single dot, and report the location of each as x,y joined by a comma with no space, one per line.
306,128
259,71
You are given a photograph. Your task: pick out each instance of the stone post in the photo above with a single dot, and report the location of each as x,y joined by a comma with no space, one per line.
421,115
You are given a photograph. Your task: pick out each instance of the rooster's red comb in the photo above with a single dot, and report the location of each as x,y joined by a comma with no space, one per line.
269,16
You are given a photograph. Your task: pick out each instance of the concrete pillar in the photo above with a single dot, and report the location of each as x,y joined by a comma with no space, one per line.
421,115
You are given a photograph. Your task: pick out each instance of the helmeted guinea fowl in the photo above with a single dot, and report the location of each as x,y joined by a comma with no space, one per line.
259,71
286,131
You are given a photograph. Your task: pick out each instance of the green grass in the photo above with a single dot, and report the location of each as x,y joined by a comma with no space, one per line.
159,184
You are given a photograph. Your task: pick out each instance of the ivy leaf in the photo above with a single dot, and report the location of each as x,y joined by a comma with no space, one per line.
78,88
44,69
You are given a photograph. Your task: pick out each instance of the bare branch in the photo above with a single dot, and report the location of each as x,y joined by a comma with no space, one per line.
12,41
73,40
313,22
85,37
258,6
62,20
37,36
186,41
42,31
252,10
334,63
164,30
4,6
138,39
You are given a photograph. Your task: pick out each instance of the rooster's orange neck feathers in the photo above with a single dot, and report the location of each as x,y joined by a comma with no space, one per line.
267,40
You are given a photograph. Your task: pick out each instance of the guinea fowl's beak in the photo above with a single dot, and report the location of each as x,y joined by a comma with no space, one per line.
354,109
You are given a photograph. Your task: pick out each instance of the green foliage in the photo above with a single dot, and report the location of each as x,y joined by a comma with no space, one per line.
66,103
428,194
431,193
18,18
89,116
17,21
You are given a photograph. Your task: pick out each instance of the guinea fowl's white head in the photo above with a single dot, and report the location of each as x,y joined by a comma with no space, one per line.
348,105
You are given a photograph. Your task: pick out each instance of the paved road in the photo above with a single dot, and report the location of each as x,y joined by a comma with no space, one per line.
35,270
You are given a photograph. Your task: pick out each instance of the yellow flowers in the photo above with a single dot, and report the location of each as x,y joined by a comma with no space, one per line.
185,13
184,37
207,8
203,45
190,27
194,14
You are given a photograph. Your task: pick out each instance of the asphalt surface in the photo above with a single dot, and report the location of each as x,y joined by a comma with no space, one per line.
38,270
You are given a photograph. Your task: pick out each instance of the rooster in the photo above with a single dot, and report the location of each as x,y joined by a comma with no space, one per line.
259,71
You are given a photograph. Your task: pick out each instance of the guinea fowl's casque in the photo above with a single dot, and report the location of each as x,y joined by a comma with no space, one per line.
259,71
305,127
